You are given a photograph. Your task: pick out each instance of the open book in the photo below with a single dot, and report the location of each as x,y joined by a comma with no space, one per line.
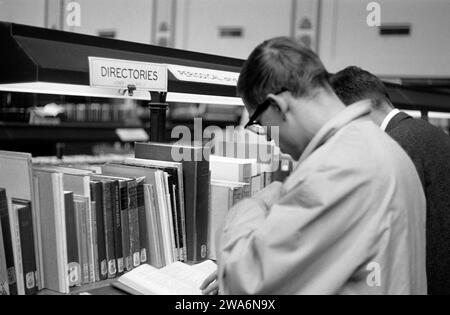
175,279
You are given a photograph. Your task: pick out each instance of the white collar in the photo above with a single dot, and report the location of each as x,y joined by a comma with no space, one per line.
388,119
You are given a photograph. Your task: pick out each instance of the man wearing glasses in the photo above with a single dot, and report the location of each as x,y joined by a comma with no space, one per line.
350,219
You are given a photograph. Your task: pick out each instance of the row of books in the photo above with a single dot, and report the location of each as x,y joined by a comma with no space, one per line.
69,226
95,112
85,227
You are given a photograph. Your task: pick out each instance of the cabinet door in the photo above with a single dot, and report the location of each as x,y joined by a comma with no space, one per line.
23,12
347,39
232,27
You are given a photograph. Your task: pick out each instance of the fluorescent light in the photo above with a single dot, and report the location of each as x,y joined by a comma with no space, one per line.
84,90
204,99
70,90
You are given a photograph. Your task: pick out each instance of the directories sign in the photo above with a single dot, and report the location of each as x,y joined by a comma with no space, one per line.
114,73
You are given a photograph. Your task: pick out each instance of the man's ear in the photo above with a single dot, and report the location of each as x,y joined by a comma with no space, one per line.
280,104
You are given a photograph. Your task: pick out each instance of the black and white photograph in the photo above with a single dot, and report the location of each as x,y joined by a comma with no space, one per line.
225,154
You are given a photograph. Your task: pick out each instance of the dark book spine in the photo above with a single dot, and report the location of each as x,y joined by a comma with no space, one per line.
73,258
143,232
134,224
109,230
7,240
202,210
125,223
117,224
25,217
97,197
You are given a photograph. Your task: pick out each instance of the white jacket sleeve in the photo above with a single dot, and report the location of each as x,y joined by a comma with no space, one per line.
309,242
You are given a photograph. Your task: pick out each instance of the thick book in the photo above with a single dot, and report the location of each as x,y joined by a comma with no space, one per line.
78,181
176,190
50,209
152,207
175,172
176,279
73,258
196,177
82,235
4,287
24,219
97,197
108,221
16,177
223,196
7,244
143,230
134,224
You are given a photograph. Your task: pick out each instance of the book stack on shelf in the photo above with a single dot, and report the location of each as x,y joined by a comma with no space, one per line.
64,227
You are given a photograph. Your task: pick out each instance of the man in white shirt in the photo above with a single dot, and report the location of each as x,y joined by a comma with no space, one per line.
429,149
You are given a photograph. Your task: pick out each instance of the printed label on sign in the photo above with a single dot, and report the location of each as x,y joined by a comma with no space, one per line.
200,75
114,73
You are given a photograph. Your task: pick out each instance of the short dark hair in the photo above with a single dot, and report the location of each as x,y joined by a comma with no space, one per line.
277,64
354,84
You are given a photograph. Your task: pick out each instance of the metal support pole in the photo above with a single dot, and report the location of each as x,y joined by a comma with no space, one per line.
158,112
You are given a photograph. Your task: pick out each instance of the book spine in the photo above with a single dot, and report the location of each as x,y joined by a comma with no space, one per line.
73,258
25,219
80,209
202,211
8,245
143,232
109,230
134,225
97,196
125,223
4,290
18,248
94,241
177,222
90,241
117,223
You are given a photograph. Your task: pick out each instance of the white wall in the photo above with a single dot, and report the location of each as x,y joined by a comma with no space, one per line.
346,39
260,20
30,12
130,19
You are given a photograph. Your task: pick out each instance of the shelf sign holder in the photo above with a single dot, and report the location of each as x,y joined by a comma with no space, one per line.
130,76
158,116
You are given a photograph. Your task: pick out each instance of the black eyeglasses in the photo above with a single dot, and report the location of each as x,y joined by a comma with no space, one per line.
254,125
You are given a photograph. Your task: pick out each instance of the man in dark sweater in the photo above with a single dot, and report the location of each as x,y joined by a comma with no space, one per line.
429,149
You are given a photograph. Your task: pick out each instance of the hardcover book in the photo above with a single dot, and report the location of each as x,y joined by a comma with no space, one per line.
196,179
175,279
24,221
